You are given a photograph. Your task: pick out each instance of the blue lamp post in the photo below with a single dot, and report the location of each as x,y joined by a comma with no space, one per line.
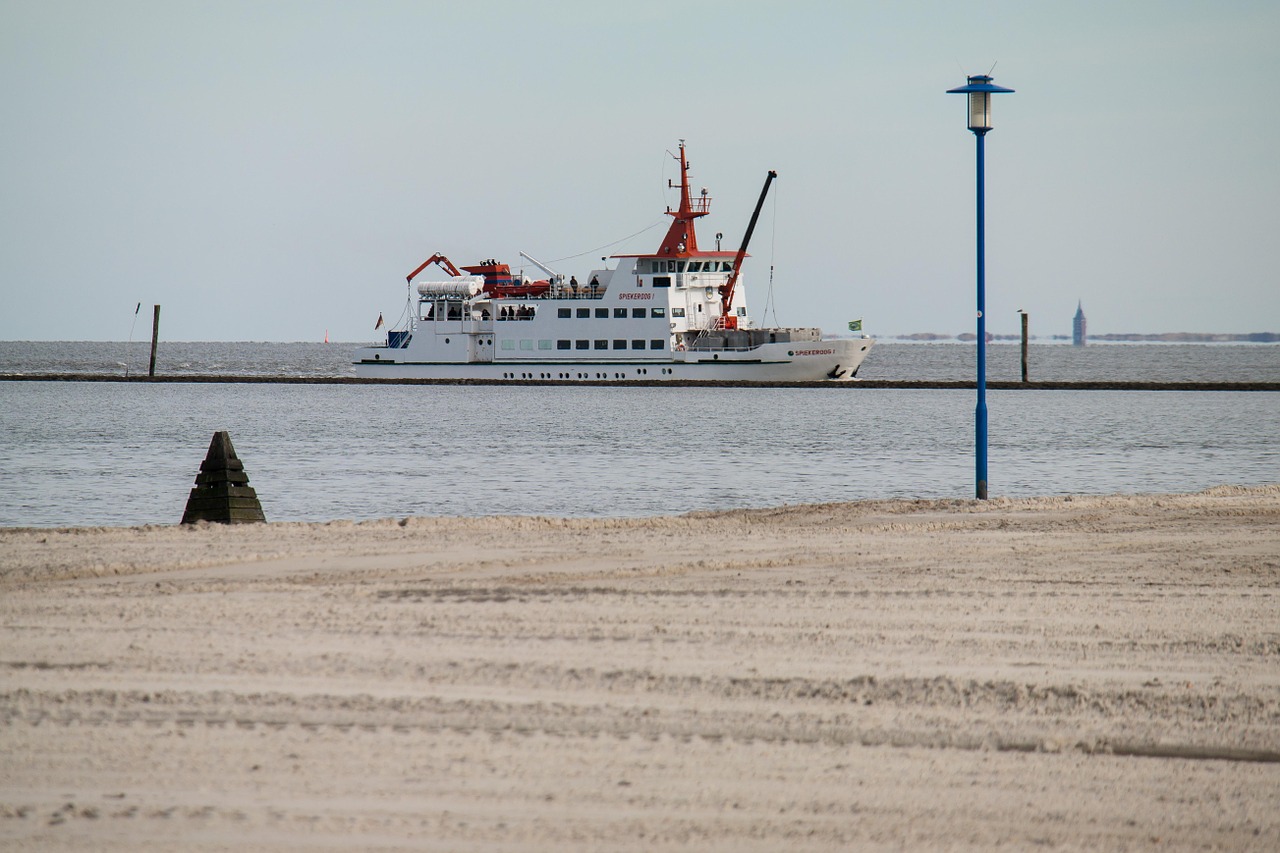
980,90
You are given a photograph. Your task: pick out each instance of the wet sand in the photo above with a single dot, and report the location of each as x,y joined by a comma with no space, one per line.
1080,673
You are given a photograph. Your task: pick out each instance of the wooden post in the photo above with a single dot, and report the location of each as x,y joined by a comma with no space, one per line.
1024,345
155,338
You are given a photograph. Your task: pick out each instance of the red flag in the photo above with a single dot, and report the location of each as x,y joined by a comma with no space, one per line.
378,325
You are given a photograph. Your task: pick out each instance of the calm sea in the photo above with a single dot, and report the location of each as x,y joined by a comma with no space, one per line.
124,454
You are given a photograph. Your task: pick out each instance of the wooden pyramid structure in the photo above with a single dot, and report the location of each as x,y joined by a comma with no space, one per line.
222,492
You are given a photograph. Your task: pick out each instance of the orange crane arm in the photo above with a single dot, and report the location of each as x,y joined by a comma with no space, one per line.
437,258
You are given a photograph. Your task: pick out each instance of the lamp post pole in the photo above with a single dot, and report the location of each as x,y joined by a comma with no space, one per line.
980,90
980,413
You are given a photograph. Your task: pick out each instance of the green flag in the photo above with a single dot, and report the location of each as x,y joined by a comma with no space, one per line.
855,325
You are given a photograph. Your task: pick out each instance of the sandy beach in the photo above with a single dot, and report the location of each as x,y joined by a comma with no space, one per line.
1060,673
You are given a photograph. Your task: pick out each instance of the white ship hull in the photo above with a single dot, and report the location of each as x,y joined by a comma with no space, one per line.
814,361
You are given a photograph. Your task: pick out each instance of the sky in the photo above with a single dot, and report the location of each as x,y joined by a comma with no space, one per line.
271,171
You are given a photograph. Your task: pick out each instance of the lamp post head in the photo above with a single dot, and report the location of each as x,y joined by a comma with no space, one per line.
980,89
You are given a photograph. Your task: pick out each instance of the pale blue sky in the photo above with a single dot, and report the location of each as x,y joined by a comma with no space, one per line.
272,170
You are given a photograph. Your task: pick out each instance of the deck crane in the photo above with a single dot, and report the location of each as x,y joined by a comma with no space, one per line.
437,258
726,289
555,277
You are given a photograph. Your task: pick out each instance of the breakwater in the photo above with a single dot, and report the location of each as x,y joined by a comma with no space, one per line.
917,384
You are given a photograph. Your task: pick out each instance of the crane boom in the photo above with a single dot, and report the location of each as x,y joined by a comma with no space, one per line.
555,276
726,290
437,258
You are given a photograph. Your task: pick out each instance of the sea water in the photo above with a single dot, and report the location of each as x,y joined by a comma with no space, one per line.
89,453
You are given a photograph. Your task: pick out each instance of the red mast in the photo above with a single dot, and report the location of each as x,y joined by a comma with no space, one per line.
681,237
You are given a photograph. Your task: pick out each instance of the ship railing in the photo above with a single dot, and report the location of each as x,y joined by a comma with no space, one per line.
582,293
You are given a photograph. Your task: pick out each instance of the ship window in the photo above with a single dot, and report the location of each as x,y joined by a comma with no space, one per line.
662,281
619,312
677,312
545,344
619,344
679,266
582,344
657,343
695,266
584,313
562,344
742,312
525,345
728,266
637,312
637,344
602,344
508,344
564,313
602,313
658,312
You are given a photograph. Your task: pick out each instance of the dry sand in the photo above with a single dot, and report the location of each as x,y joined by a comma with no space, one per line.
1073,673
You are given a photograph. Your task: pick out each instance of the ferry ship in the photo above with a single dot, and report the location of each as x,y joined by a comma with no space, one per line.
678,314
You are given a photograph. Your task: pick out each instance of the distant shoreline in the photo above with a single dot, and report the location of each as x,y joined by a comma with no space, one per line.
1123,337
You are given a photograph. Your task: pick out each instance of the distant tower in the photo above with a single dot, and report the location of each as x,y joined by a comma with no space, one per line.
1078,325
